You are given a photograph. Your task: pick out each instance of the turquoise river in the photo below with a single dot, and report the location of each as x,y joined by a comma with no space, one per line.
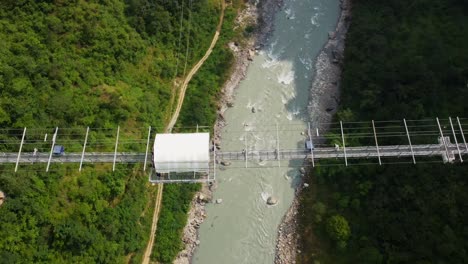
243,228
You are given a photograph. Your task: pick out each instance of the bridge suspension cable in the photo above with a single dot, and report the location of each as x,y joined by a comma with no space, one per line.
381,139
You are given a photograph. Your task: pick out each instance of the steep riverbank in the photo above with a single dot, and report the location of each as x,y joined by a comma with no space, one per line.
324,93
262,15
324,100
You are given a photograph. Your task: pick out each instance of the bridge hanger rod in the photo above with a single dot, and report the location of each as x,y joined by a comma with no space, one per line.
456,141
311,145
147,148
463,135
116,145
376,143
443,138
409,141
84,148
52,149
278,145
246,149
344,146
20,148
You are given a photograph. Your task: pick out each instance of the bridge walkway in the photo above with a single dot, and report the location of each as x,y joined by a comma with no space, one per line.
318,153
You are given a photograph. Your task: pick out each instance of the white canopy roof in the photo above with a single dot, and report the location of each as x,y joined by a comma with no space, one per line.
181,152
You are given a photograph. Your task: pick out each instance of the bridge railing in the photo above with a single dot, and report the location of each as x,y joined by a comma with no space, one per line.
382,139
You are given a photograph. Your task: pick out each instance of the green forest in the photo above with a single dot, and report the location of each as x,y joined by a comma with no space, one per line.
403,59
100,64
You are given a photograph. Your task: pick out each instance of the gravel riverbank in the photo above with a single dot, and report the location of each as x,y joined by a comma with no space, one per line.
324,93
323,104
262,14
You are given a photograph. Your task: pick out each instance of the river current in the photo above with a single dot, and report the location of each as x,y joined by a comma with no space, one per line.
273,97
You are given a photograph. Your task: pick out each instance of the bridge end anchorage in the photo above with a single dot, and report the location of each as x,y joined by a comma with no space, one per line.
448,156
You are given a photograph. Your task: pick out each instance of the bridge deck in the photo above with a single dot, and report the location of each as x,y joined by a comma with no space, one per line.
97,157
318,153
351,152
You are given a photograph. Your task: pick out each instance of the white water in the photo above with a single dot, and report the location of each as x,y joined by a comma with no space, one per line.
243,228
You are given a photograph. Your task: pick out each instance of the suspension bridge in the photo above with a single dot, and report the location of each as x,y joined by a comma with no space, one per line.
442,138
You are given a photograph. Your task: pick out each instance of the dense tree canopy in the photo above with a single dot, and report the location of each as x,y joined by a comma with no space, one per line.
337,228
402,60
98,64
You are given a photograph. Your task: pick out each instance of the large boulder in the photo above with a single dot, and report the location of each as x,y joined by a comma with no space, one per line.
272,200
251,55
203,199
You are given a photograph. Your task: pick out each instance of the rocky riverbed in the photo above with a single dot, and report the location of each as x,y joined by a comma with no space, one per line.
261,15
324,100
323,104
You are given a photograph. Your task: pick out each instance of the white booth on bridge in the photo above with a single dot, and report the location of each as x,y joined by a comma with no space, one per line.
181,157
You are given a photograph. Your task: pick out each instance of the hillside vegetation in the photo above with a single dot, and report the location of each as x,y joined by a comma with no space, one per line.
403,59
98,64
199,107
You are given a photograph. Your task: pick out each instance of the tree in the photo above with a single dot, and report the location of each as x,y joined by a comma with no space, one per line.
370,255
337,228
319,210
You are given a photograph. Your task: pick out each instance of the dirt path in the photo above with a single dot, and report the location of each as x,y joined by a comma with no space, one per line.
194,70
157,205
157,208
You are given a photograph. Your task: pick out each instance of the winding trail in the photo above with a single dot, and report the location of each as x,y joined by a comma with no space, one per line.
157,208
175,115
194,70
